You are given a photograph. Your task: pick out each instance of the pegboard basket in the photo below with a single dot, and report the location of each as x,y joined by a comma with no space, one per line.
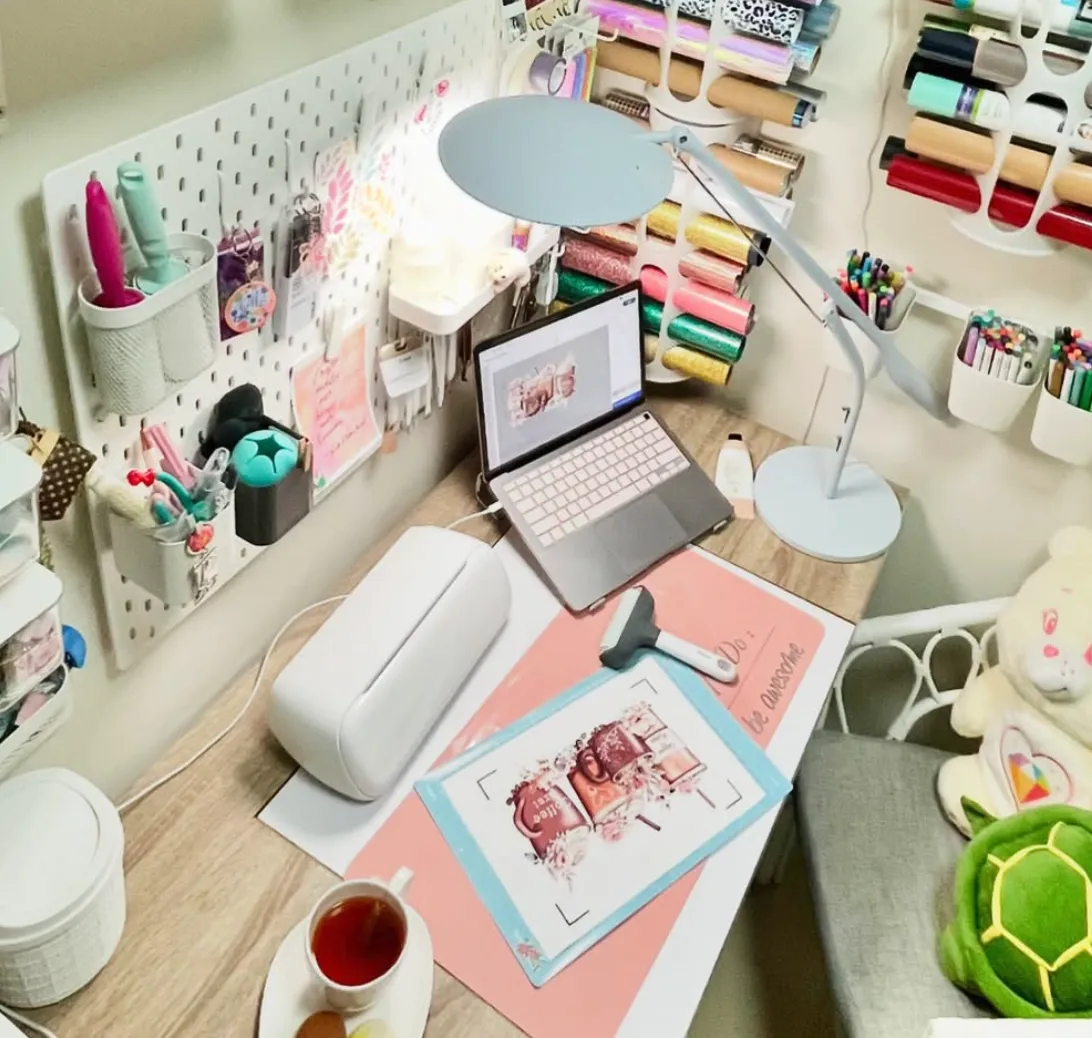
140,353
1062,429
172,572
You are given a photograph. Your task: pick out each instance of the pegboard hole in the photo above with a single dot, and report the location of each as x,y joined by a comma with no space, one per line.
236,137
212,378
105,450
163,214
287,96
303,146
218,125
132,634
128,602
138,157
219,165
261,361
178,141
253,110
254,151
200,154
201,195
185,223
238,179
246,355
230,349
331,134
254,192
269,123
151,632
160,172
147,605
318,82
181,183
318,120
123,421
242,553
345,108
197,404
269,162
276,365
272,199
278,395
231,381
303,108
178,400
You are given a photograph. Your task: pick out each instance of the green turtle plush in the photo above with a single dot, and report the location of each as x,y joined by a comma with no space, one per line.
1022,937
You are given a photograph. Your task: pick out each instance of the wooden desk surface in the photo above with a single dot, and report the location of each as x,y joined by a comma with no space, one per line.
212,891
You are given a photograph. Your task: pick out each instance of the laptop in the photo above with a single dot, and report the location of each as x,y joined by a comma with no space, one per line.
596,487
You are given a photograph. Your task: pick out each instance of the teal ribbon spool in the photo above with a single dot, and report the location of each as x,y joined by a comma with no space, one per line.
574,287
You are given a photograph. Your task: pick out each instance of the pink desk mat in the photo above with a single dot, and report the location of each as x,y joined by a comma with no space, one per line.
696,598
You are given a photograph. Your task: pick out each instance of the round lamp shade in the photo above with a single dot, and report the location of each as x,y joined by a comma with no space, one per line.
555,161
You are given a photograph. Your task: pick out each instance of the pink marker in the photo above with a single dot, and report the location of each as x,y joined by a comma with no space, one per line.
104,241
173,462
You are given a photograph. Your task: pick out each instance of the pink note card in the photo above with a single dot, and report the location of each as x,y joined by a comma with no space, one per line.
771,640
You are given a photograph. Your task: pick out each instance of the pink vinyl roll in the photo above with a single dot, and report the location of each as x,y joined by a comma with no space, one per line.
698,300
712,270
597,260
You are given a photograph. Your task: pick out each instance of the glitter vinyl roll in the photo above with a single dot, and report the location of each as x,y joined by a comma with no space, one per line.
706,232
753,172
711,270
590,257
692,331
574,287
651,346
719,308
697,365
771,151
620,237
684,79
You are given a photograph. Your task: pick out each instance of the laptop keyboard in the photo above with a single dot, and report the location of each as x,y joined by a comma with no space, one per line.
597,478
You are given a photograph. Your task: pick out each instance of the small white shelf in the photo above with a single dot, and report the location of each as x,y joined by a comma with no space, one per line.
448,318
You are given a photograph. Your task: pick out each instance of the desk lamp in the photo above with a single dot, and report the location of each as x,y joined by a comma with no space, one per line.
559,162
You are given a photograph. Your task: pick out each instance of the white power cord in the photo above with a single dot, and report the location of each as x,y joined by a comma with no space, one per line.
23,1021
137,797
493,509
885,88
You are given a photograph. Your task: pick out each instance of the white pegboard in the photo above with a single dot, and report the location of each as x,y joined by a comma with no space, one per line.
247,147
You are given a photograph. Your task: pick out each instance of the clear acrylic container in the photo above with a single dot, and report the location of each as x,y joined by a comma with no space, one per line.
19,480
9,400
31,642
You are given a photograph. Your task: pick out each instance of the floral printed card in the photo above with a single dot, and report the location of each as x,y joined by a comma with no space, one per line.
573,818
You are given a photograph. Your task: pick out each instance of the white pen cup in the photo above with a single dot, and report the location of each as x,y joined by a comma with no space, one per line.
358,929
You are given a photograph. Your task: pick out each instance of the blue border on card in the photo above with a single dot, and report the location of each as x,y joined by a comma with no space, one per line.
474,862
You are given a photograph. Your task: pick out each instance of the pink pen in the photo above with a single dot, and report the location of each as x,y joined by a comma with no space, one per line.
173,462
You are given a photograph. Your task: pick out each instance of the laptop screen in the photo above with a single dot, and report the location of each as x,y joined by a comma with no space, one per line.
542,384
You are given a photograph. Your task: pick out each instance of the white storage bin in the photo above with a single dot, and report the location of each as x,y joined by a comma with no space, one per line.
983,399
31,644
22,736
1062,430
138,352
866,348
19,532
63,905
174,573
9,397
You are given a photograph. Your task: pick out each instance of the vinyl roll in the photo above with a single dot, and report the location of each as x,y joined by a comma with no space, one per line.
712,270
684,79
973,152
1001,63
618,236
1066,223
710,304
738,52
690,362
754,172
705,232
692,331
651,346
589,257
774,152
574,287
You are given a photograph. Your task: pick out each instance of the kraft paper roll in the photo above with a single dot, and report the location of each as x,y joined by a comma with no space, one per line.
574,287
974,152
684,79
589,257
753,172
618,236
697,365
692,331
719,308
705,232
712,270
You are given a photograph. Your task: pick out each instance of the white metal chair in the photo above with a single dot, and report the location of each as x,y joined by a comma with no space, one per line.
880,853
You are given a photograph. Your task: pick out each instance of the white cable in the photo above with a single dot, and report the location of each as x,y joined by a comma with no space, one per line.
137,797
493,509
885,86
30,1025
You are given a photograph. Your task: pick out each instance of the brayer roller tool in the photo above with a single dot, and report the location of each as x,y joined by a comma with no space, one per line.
633,628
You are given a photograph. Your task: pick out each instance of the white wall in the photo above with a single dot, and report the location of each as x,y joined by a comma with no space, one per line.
84,75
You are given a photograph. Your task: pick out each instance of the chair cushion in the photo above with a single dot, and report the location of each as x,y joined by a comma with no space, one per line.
881,858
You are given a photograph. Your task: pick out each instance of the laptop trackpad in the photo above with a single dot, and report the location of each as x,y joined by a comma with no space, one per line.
643,532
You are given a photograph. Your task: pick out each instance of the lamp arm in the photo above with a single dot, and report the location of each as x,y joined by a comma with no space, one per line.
902,372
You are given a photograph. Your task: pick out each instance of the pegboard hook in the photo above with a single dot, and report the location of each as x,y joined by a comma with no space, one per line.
220,203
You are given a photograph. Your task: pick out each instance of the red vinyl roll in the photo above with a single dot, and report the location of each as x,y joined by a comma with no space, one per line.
1068,223
698,300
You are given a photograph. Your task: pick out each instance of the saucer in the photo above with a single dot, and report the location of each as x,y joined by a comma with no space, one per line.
292,994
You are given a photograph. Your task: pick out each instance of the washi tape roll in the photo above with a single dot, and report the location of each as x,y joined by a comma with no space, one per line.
547,73
700,300
590,257
697,365
712,270
575,287
707,232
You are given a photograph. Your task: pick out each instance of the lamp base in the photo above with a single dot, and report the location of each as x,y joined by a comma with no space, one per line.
858,524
